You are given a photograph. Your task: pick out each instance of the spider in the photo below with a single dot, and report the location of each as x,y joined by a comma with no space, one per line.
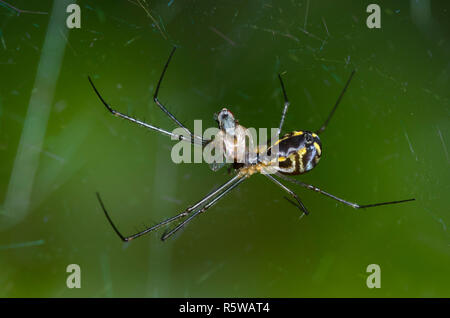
296,153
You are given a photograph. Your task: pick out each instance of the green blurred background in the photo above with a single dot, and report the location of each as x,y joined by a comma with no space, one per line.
58,146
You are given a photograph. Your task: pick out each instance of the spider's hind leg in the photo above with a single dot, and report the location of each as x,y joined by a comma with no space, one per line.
299,203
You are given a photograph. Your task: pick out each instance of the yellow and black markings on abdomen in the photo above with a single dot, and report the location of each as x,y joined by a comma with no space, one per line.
298,152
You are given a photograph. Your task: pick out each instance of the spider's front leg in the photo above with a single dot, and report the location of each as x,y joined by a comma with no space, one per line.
188,137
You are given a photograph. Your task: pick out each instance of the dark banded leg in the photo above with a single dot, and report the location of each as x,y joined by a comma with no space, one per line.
285,106
295,196
206,207
164,109
206,199
353,205
136,121
325,124
188,137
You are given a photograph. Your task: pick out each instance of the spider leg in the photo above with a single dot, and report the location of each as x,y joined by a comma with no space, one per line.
353,205
240,179
164,109
325,124
286,105
206,199
295,196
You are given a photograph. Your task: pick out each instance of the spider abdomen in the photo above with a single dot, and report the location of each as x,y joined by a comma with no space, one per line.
298,152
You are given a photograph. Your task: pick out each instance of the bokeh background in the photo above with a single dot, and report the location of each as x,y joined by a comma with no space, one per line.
58,146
